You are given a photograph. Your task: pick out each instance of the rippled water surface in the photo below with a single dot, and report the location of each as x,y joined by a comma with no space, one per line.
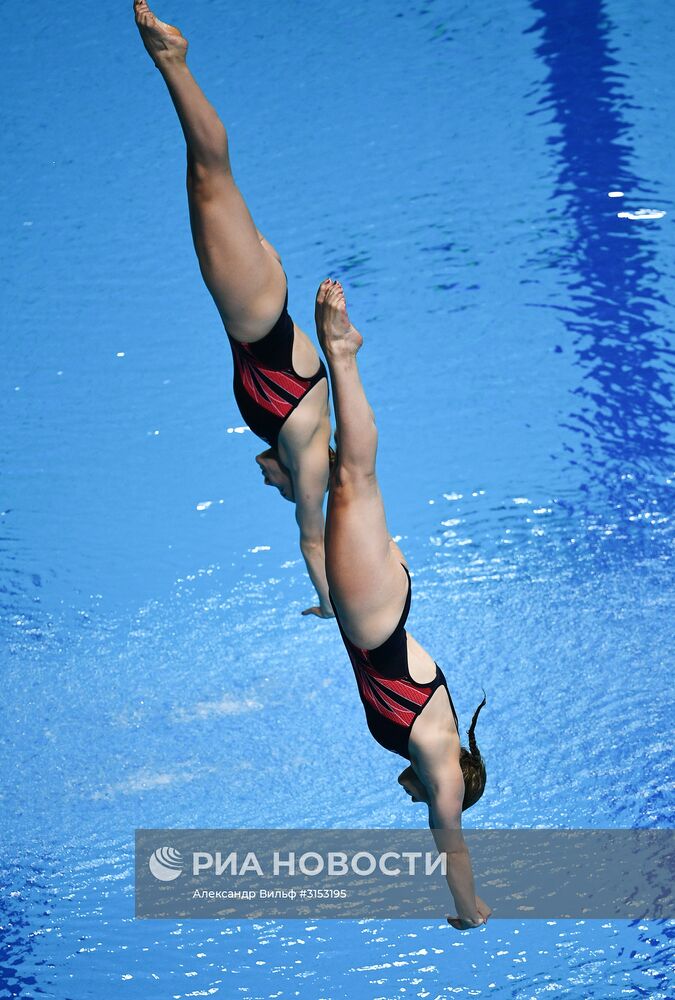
458,167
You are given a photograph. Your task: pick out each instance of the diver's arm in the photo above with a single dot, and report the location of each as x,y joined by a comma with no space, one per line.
309,486
445,819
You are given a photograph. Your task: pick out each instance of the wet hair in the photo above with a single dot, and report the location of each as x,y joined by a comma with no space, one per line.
472,764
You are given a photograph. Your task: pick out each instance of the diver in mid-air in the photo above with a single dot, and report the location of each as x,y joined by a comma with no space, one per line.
280,383
404,692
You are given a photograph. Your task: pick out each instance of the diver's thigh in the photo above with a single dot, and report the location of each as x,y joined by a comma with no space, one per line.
366,580
247,283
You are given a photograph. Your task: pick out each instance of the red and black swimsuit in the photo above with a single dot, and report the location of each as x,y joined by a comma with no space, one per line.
266,386
392,700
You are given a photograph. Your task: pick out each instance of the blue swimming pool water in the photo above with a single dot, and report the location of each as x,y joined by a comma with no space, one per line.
451,163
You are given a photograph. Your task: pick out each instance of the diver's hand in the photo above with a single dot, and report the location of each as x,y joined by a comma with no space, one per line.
465,925
319,612
483,912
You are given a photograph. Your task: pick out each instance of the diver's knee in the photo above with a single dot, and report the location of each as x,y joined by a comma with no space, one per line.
348,480
206,171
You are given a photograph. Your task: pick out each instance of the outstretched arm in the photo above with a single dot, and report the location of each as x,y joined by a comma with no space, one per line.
445,822
305,450
310,489
435,777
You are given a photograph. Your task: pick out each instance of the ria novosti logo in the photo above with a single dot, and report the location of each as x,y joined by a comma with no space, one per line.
166,864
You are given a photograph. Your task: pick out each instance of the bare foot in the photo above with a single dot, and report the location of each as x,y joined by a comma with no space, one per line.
162,41
412,784
336,334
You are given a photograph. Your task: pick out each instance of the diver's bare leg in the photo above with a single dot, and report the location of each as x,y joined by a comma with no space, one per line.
246,282
364,570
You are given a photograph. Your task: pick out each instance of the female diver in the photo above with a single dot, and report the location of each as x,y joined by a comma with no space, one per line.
404,693
280,383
